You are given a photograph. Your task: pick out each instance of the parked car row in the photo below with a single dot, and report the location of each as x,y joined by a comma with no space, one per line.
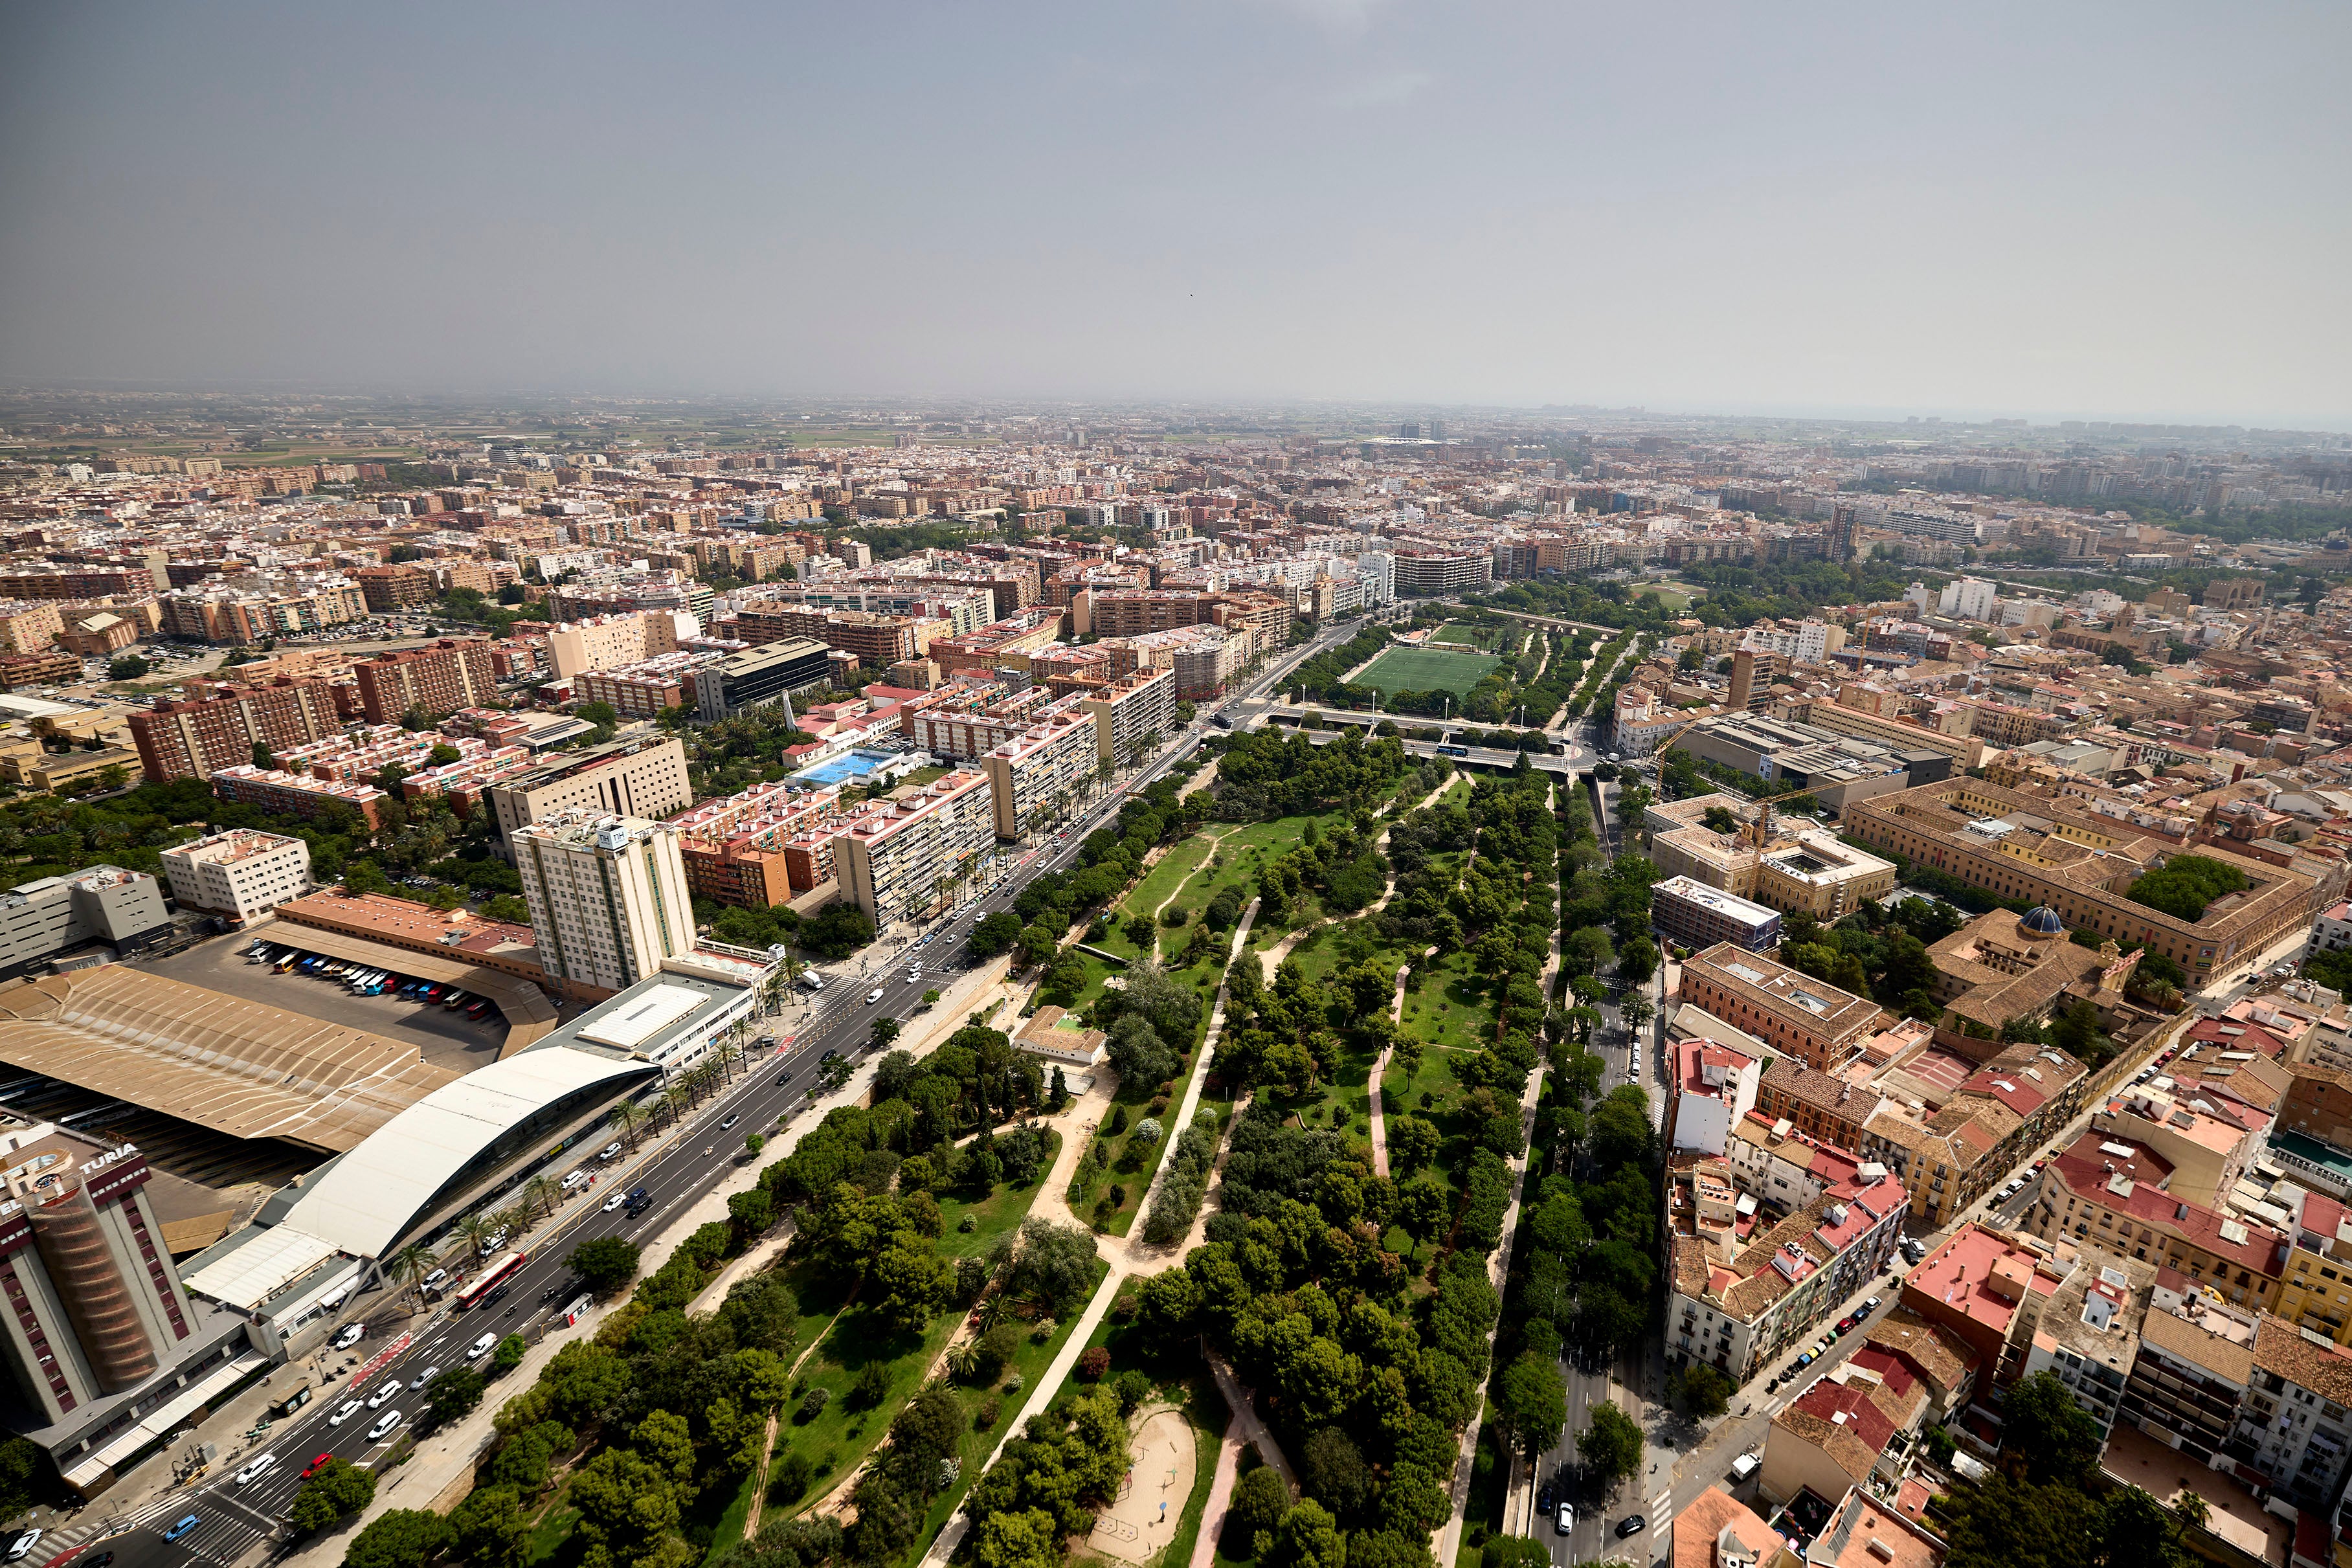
361,981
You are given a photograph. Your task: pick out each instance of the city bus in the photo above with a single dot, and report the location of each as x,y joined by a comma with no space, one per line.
1453,751
503,1267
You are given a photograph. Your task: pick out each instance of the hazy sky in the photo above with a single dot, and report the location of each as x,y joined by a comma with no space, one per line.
2127,211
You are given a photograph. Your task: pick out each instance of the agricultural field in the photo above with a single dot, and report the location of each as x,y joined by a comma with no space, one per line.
1427,669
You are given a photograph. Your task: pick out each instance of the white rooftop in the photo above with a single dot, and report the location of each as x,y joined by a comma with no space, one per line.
645,1016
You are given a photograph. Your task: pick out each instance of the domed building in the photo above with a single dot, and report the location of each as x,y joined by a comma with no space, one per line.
2005,966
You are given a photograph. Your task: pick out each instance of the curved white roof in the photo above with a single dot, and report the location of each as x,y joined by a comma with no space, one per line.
371,1196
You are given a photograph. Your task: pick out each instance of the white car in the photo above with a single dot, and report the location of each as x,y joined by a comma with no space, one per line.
615,1201
352,1333
253,1472
434,1281
608,1153
874,996
383,1423
22,1547
480,1347
422,1378
345,1411
384,1395
914,977
1567,1520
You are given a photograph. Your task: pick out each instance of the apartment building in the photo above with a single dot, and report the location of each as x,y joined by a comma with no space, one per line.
2188,1382
760,847
1205,659
621,778
2297,1413
42,919
1131,712
1959,752
1691,914
608,897
755,677
645,690
243,872
1790,1011
1984,1291
906,856
449,675
1038,775
1422,572
611,642
253,606
388,589
2088,1336
2116,1194
29,625
18,671
1735,1304
971,720
191,739
2041,850
1712,1089
297,794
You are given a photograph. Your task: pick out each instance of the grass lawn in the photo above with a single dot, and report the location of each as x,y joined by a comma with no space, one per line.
838,1439
1673,595
922,776
1494,639
550,1538
1427,669
1029,1363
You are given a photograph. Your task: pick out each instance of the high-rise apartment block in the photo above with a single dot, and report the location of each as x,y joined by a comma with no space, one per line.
608,897
191,739
1039,775
609,642
442,679
621,778
1130,711
243,872
908,856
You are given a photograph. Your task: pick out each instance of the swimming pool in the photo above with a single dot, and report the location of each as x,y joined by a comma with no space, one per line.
846,768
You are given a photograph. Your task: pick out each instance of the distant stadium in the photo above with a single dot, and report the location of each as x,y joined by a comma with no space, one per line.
1427,669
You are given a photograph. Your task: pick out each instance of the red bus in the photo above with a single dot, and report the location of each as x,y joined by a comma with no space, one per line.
501,1267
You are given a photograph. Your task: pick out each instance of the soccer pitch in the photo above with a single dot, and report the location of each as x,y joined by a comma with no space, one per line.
1427,669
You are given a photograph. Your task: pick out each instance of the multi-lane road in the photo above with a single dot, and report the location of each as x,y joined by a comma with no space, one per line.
677,1168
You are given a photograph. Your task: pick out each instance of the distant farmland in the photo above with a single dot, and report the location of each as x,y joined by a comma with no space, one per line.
1427,669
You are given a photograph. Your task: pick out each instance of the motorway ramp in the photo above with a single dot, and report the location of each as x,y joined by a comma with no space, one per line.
219,1061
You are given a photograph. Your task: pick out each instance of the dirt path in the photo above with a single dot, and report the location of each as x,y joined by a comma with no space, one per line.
760,1492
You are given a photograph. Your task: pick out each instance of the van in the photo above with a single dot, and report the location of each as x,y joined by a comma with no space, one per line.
874,996
480,1347
811,979
1744,1467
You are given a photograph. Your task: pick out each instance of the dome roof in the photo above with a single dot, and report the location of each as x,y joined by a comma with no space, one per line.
2041,920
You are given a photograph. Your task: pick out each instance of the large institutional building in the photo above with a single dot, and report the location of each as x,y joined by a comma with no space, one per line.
2042,851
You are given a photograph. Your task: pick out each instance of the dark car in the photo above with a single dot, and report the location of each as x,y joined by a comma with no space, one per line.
1543,1501
498,1293
1632,1524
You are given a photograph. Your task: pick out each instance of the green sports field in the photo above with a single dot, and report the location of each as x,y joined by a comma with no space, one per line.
1427,669
1494,639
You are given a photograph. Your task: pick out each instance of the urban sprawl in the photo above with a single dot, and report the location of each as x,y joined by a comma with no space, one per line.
638,983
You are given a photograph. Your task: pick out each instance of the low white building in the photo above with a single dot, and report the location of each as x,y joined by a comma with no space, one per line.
243,872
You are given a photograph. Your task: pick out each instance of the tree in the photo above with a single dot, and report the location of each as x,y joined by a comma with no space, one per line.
510,1354
1611,1446
2045,1435
2137,1531
1309,1537
402,1538
1052,1265
604,1264
1704,1393
454,1394
627,1504
1530,1401
1260,1500
490,1528
335,1491
838,931
127,667
602,713
2007,1524
262,756
1333,1471
994,934
1138,1055
362,876
1028,1539
884,1031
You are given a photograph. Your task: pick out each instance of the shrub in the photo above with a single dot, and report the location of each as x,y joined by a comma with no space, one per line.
813,1404
1174,915
1094,1363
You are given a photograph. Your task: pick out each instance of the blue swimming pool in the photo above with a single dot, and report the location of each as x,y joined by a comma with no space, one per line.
846,768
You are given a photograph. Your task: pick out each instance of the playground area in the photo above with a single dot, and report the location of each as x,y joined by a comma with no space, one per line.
1150,1501
1427,669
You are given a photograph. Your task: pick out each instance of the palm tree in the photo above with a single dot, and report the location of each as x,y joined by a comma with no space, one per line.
628,1116
963,1360
544,1190
412,1263
674,1098
474,1228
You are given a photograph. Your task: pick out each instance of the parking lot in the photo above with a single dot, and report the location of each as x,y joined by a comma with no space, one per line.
448,1037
